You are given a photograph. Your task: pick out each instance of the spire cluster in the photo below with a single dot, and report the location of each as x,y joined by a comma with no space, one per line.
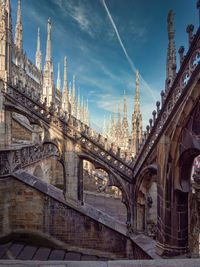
44,79
118,131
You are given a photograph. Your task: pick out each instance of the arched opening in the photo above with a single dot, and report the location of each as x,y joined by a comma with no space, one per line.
38,172
101,192
146,204
187,198
49,170
23,132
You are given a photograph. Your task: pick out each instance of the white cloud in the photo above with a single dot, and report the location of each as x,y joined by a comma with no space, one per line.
82,14
137,31
79,15
58,3
98,82
132,65
40,20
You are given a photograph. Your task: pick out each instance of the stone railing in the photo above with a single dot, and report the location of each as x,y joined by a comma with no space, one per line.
13,160
90,140
189,67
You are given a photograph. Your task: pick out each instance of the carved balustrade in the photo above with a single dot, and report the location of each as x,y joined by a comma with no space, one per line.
13,160
91,141
190,66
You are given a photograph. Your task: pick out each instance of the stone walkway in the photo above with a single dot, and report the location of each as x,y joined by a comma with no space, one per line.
22,251
132,263
111,206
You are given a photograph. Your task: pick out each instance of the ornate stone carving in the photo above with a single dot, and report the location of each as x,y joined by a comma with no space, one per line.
13,160
169,104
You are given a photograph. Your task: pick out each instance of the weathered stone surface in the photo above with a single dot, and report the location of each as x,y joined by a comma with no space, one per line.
71,256
119,263
20,132
3,249
35,210
42,254
57,255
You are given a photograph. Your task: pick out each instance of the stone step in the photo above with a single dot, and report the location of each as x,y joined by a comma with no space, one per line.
22,251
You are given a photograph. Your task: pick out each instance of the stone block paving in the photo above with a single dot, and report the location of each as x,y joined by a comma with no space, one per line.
109,205
128,263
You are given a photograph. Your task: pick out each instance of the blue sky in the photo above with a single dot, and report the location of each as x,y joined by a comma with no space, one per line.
82,30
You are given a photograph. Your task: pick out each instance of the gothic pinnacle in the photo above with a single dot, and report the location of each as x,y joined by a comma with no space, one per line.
104,133
18,29
38,40
171,53
137,95
125,107
118,121
38,53
19,12
74,97
79,105
48,48
58,79
74,88
65,89
87,114
82,111
70,91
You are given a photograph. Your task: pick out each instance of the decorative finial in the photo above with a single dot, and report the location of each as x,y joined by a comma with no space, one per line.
170,21
171,54
189,31
137,77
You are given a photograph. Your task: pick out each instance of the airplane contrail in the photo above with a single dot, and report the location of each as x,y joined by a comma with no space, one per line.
124,49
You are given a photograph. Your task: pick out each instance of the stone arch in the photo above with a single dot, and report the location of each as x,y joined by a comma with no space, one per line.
56,142
38,172
188,150
33,124
185,200
145,201
47,158
114,179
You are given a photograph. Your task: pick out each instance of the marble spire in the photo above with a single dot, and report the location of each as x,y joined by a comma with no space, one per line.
74,97
18,29
65,87
125,132
136,118
79,105
38,61
58,79
48,48
171,53
137,95
104,133
48,77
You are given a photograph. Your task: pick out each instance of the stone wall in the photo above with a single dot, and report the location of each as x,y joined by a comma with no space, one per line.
20,133
27,209
49,170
